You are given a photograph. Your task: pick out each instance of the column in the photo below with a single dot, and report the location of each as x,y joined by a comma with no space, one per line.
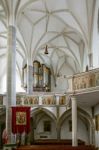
58,127
22,78
90,135
11,77
90,57
58,132
32,131
29,79
74,122
1,83
93,136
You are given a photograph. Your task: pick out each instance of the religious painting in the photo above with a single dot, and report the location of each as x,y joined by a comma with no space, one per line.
18,100
25,100
31,100
49,100
47,126
97,79
84,81
62,100
20,118
35,100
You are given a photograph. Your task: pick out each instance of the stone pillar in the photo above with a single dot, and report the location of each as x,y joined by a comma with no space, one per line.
74,122
90,135
58,133
90,57
93,136
58,127
29,79
32,132
11,77
1,83
22,78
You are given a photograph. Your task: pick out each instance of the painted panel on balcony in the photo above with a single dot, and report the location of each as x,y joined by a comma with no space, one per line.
84,81
32,100
49,100
97,79
27,100
62,100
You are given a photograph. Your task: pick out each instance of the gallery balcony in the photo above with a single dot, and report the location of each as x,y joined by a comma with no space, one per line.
84,82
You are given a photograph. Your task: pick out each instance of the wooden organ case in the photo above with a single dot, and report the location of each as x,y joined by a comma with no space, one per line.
41,77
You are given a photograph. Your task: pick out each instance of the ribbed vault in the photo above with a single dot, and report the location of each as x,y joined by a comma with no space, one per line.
65,26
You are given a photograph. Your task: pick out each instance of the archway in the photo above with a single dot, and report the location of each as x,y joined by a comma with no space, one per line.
85,126
43,125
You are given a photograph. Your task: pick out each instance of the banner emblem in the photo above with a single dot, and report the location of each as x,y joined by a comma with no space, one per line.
21,118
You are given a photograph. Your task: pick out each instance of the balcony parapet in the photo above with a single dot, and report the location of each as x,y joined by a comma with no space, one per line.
83,81
40,99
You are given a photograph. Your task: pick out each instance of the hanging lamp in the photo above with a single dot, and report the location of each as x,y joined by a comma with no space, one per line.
46,50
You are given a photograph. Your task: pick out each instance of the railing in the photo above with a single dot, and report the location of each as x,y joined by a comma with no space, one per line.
84,80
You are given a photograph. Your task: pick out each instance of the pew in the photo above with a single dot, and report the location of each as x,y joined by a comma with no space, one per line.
58,142
56,147
53,144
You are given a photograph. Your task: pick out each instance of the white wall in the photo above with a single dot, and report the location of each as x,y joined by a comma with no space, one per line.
61,82
40,129
82,133
3,84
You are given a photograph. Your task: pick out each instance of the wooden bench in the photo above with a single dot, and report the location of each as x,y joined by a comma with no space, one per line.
55,147
58,142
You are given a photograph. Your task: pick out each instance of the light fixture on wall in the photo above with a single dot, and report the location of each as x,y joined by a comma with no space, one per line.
46,50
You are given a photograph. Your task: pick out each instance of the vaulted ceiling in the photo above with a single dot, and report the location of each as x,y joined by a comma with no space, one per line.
65,26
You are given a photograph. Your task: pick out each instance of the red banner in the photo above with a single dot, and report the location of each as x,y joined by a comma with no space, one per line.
20,119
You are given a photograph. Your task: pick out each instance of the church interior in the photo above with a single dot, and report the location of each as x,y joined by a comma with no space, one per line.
49,74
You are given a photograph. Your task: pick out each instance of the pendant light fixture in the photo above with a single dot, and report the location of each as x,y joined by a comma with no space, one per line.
46,50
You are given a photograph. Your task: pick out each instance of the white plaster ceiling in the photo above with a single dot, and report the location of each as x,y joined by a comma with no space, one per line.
65,26
89,99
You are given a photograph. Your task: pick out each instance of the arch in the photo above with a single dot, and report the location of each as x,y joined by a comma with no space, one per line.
83,116
40,116
44,110
81,112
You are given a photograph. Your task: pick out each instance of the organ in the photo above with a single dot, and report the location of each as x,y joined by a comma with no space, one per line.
41,77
